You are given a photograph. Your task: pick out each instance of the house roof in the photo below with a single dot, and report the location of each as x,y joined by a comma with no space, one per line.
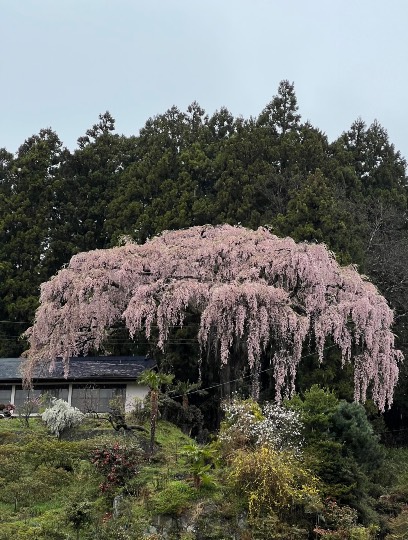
81,369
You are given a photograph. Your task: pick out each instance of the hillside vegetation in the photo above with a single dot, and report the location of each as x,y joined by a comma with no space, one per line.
220,464
312,468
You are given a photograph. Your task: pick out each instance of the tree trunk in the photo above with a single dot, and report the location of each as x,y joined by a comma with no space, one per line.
256,375
154,402
225,380
185,401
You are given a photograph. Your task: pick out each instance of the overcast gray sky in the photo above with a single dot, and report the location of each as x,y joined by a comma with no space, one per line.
65,61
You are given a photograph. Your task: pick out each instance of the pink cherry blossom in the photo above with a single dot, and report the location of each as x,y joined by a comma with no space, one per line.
268,293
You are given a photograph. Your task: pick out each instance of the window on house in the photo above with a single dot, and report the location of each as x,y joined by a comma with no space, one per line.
96,398
85,398
22,395
45,391
57,392
107,394
5,394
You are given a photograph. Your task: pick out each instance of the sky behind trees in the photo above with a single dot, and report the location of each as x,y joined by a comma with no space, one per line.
63,63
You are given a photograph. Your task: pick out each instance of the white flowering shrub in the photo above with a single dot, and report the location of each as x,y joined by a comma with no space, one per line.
246,424
281,428
61,416
238,428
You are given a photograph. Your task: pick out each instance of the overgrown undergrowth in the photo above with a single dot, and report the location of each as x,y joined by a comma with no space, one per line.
96,483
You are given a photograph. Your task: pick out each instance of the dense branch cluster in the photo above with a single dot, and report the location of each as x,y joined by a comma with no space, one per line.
266,292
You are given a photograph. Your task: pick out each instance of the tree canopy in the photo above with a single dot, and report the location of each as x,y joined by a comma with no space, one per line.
188,168
269,294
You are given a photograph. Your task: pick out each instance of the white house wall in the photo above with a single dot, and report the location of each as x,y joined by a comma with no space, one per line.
134,392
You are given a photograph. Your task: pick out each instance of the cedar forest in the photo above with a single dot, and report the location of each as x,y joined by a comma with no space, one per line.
250,257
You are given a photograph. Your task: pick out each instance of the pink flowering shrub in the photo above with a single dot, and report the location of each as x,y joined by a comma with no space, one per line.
7,410
29,406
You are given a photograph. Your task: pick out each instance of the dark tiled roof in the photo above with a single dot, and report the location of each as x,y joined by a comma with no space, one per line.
87,368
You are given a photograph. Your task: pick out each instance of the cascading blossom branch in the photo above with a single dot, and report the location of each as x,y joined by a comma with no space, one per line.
267,293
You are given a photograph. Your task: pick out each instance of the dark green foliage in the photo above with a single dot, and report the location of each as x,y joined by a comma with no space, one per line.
328,374
281,113
343,449
89,184
317,408
79,514
187,168
352,428
316,215
27,198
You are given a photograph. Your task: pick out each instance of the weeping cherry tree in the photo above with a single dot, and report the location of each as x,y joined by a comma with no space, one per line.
266,293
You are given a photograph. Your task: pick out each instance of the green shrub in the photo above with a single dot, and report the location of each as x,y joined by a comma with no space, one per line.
130,524
45,450
19,531
272,481
270,527
173,499
79,514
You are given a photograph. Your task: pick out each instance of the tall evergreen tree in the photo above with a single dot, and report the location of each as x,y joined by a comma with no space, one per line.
90,181
282,112
315,214
28,183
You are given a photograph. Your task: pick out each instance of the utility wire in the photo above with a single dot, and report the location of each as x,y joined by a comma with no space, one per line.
243,377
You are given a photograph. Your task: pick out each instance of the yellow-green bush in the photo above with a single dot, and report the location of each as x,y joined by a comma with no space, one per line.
271,480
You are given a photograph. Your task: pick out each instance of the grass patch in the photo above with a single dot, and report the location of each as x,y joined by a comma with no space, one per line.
14,425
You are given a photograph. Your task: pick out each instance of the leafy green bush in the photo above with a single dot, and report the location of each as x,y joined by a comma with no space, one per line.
200,462
270,527
46,450
131,523
18,531
173,499
52,525
79,514
343,450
